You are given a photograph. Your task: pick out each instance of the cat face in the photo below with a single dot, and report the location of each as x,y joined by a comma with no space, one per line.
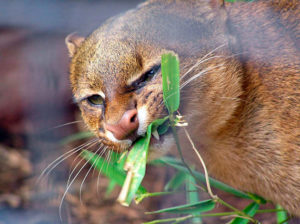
119,97
116,77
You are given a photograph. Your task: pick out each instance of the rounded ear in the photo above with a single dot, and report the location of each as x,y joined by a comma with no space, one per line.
73,41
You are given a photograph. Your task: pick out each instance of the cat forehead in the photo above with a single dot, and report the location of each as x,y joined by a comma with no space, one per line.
112,61
105,67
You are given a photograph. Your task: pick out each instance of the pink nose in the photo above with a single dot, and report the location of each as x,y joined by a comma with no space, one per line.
128,124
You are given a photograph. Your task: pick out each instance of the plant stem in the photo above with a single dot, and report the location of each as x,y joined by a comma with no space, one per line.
237,211
181,155
184,218
180,219
203,165
215,197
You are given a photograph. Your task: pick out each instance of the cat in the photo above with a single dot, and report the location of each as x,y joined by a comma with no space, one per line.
240,86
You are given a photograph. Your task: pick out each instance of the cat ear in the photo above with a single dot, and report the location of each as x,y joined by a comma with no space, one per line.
73,41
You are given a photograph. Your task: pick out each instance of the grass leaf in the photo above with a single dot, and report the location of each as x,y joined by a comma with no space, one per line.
110,170
136,164
170,77
215,183
192,196
202,206
111,186
282,216
258,199
250,210
141,197
176,181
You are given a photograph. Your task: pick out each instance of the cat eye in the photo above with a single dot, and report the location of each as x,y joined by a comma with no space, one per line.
96,100
145,77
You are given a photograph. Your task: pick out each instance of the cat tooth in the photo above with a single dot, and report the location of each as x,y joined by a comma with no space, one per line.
155,134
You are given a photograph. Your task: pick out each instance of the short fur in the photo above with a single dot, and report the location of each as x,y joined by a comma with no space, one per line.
243,111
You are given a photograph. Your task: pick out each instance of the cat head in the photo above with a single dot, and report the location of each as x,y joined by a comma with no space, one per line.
115,73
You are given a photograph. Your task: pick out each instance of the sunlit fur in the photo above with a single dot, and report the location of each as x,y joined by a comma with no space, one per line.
239,88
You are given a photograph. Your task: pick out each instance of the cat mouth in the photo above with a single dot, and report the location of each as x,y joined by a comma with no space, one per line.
155,140
126,145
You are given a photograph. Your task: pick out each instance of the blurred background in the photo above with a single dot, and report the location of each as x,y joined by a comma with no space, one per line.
37,112
35,98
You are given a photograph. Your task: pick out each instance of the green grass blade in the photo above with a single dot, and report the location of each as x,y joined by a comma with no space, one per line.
258,199
192,196
110,170
215,183
281,216
136,161
170,77
111,186
76,136
250,210
176,181
165,220
202,206
141,197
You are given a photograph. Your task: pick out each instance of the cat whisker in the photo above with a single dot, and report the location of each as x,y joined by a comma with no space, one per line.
197,64
199,74
68,187
99,172
81,185
203,59
72,166
191,79
97,160
63,157
107,158
74,169
65,124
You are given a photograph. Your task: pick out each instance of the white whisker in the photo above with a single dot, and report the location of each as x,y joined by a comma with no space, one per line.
98,177
61,158
81,185
65,124
108,159
198,75
98,158
70,175
68,187
202,60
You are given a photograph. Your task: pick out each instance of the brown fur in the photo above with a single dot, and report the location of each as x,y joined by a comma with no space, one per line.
244,113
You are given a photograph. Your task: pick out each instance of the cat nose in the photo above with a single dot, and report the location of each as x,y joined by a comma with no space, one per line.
128,124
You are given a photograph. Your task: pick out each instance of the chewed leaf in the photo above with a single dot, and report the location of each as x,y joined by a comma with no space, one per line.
170,77
136,167
202,206
136,164
111,170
